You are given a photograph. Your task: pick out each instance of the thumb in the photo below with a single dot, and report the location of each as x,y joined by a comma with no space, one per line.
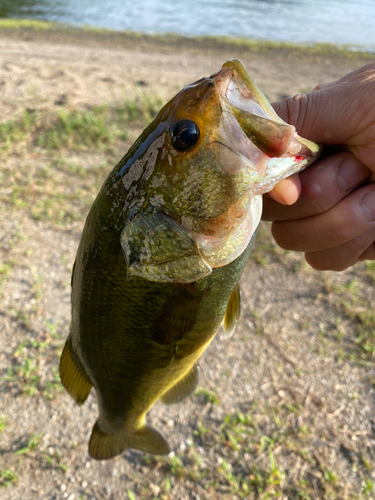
320,114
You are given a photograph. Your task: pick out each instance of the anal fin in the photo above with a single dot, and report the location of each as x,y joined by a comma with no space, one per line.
183,388
73,377
103,446
232,313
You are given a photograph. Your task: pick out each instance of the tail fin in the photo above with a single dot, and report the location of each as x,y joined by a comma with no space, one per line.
103,446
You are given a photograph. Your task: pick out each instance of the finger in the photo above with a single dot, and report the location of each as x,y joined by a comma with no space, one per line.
343,256
352,217
319,115
323,185
357,74
369,253
287,190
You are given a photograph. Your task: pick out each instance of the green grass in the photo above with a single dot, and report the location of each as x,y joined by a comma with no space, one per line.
351,299
81,130
5,268
34,450
8,477
78,130
248,450
27,23
208,396
3,421
33,368
72,151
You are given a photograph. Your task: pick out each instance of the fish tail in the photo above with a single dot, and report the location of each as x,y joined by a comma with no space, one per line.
73,376
103,446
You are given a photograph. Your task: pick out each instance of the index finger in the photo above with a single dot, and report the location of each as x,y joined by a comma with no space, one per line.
323,185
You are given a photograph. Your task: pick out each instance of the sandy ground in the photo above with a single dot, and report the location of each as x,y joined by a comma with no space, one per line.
292,363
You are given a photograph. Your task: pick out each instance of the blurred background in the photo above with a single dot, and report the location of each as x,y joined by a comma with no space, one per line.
335,21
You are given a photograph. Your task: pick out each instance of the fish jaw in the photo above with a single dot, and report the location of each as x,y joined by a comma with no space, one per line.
252,139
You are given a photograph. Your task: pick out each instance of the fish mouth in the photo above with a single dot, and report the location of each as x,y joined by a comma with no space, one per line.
251,130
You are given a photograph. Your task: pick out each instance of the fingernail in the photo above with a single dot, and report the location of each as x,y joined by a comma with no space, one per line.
368,205
349,176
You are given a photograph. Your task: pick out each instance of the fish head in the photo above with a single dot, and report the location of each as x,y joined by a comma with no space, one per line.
207,158
222,139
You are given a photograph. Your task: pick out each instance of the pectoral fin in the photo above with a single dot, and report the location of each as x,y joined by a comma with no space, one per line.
183,388
232,313
73,377
158,249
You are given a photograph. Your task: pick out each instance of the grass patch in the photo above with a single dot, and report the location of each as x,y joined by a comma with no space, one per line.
34,450
208,396
81,130
58,189
8,477
248,450
3,421
29,23
34,367
77,129
5,268
14,131
351,297
72,152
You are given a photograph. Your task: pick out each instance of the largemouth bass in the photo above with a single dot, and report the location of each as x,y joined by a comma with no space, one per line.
163,248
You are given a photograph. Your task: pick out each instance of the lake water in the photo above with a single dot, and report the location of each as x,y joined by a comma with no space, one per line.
336,21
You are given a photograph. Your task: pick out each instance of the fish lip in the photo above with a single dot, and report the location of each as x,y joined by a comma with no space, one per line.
260,147
240,97
250,99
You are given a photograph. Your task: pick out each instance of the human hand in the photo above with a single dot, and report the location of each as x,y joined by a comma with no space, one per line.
333,221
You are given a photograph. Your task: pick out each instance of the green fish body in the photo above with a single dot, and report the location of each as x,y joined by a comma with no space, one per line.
163,248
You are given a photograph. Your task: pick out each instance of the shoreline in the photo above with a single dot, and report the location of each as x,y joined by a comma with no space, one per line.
64,33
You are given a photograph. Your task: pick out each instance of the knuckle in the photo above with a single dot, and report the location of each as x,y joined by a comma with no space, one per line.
294,106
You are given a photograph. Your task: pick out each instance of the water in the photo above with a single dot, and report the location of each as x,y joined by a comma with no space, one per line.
336,21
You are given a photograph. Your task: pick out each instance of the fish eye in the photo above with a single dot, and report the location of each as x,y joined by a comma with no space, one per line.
184,134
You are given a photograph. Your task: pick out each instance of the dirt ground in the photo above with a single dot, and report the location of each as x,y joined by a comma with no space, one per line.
286,407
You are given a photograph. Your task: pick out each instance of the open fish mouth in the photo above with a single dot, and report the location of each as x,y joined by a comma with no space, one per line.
252,131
